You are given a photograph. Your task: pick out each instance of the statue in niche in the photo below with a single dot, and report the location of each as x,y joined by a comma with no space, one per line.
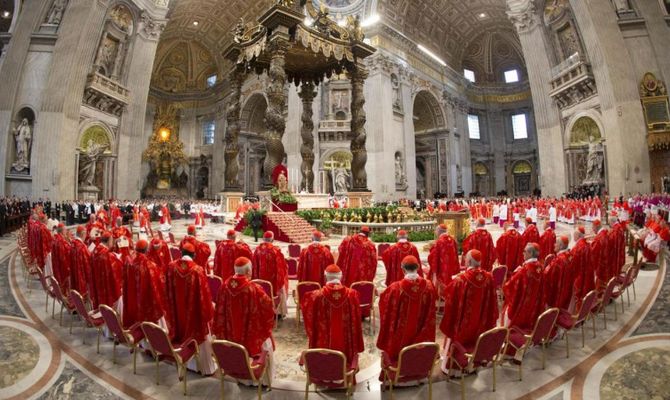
88,161
397,101
400,175
107,57
23,136
341,180
623,8
594,162
56,12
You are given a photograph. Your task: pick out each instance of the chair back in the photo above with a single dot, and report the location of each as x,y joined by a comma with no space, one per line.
499,275
607,294
233,359
366,292
628,277
160,235
113,322
215,284
636,271
549,258
266,286
292,265
56,290
489,346
544,326
43,281
78,302
294,250
171,236
381,248
158,338
304,288
417,361
588,302
324,365
175,253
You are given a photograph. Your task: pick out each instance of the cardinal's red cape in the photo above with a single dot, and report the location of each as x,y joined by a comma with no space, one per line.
227,251
393,257
481,240
269,265
143,291
524,300
357,259
314,259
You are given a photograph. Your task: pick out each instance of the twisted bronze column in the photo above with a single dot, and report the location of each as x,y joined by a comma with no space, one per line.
274,115
232,150
358,74
307,94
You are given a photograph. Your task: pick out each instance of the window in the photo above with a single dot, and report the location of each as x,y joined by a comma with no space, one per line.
519,126
208,129
511,76
211,81
473,126
469,75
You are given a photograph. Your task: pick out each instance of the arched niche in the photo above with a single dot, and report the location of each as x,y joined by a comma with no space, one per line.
579,131
582,130
522,171
20,140
427,112
332,162
431,142
96,133
482,178
252,117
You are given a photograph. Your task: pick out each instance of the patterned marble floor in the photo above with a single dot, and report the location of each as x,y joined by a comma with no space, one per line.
40,359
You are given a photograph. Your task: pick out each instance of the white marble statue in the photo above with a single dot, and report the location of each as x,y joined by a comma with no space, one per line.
23,137
56,13
341,178
594,163
400,175
87,163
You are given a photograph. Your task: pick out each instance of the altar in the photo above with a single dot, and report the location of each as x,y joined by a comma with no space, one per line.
307,201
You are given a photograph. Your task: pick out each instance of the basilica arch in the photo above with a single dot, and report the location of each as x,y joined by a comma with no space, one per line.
432,142
252,141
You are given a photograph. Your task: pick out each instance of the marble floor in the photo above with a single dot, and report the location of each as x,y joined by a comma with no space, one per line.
41,359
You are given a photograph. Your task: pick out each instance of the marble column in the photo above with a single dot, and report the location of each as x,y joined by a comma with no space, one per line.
358,74
232,151
307,94
537,51
274,115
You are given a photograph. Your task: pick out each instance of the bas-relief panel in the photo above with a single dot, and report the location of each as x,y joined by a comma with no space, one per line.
569,41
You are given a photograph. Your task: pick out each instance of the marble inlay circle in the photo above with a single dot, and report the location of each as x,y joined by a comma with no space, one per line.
638,375
19,354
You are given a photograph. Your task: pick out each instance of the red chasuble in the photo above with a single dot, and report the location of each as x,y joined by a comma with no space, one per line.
357,259
227,251
407,315
481,240
547,243
584,270
392,258
189,302
333,320
524,301
314,259
269,264
244,314
202,250
558,281
161,256
599,256
60,262
44,244
530,235
617,249
471,306
143,291
510,249
443,260
80,266
104,282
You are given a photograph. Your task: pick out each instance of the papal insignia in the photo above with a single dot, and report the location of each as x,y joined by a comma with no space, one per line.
480,277
415,289
233,284
337,296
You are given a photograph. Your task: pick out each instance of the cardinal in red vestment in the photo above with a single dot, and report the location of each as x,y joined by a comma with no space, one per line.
123,239
599,254
394,255
202,249
314,259
524,300
443,259
333,318
159,253
547,243
357,258
470,307
557,283
244,312
227,251
481,240
44,242
165,218
406,311
189,307
584,269
143,289
269,265
530,234
60,259
91,225
509,249
104,281
617,241
80,263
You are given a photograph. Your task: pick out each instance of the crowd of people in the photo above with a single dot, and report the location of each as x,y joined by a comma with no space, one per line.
148,280
14,212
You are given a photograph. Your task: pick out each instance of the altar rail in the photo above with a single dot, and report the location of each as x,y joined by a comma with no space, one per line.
347,228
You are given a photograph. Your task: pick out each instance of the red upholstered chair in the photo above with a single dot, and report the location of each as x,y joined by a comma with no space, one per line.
89,318
366,295
381,248
294,250
292,264
215,284
604,300
488,350
415,363
521,340
234,361
569,321
171,236
62,298
209,268
160,235
499,275
301,290
163,349
175,253
127,337
49,290
625,281
328,368
267,288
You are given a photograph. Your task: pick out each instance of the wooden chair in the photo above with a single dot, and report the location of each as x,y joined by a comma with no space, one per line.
89,318
267,288
300,291
328,368
521,340
569,321
60,297
292,265
234,361
415,363
294,250
366,295
625,281
163,349
127,337
602,302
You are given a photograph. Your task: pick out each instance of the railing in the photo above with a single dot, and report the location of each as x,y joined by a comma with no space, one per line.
565,64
